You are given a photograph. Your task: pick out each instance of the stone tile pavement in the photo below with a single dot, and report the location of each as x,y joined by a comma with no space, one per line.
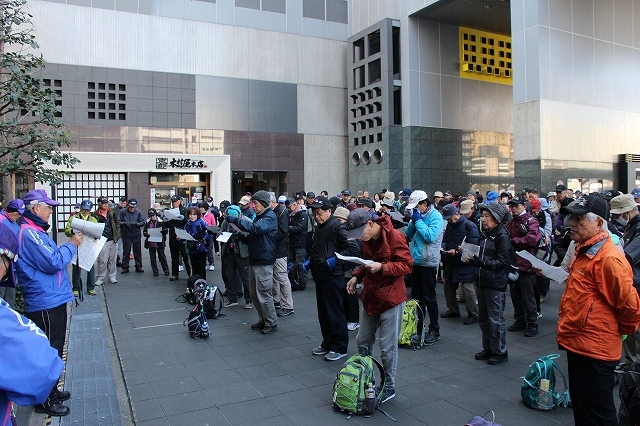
161,376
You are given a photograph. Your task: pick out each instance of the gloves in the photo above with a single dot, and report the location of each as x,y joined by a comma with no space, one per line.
331,263
476,261
306,265
232,219
523,229
415,215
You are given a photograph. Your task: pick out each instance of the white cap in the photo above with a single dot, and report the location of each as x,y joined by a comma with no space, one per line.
415,198
282,199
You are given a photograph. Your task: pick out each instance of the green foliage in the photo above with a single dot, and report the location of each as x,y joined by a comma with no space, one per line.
31,130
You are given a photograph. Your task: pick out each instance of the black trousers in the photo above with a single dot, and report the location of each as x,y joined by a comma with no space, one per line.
236,269
176,248
423,289
127,243
333,321
159,251
591,382
351,305
199,264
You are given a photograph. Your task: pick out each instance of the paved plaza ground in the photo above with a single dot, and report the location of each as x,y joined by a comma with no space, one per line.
131,361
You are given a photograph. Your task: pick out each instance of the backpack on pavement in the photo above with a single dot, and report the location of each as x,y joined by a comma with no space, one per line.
189,295
197,323
350,387
538,386
409,336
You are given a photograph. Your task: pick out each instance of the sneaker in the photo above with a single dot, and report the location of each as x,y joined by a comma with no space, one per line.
268,329
180,268
284,312
217,253
229,304
166,273
155,273
483,356
173,278
353,326
119,261
470,320
277,305
91,292
248,305
387,393
333,356
320,351
532,330
99,283
450,314
499,359
257,326
517,326
125,271
621,368
113,281
431,337
139,270
212,267
53,409
539,315
76,293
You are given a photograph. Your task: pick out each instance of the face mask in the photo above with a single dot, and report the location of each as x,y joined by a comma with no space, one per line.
621,221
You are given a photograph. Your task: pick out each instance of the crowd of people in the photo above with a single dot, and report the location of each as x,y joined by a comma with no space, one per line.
466,241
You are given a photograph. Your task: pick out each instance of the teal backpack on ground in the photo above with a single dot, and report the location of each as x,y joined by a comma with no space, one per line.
409,336
351,383
539,398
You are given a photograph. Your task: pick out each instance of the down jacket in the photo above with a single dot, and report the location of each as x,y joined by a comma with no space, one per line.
454,268
497,254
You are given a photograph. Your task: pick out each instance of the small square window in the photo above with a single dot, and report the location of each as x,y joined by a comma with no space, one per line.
58,92
122,97
57,83
101,105
101,95
484,50
112,116
473,38
91,86
466,46
58,102
112,105
501,43
484,61
91,95
101,86
121,107
92,115
101,115
112,96
484,40
122,87
355,141
473,48
112,86
465,57
46,82
379,137
465,36
508,55
491,42
492,52
122,116
91,105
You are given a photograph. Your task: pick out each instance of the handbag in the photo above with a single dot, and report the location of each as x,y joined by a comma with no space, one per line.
481,421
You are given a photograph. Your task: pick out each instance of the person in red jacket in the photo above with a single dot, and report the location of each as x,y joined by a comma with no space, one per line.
383,292
599,306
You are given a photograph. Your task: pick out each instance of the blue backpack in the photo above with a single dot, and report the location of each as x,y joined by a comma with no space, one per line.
535,396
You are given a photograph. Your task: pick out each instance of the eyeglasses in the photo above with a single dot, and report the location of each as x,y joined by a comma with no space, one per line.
318,212
578,217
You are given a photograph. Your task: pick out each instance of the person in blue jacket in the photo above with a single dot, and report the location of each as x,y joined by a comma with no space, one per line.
42,274
30,366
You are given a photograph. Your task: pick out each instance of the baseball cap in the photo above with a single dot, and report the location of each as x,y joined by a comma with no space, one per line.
517,200
311,194
152,212
405,192
133,202
623,203
415,198
551,194
36,196
465,206
321,203
16,205
448,211
282,199
244,200
438,194
86,205
588,204
364,202
635,192
123,198
8,248
356,222
388,199
346,192
102,200
224,204
560,188
174,198
289,201
610,194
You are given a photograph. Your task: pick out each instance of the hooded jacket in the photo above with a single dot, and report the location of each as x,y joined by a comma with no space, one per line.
42,266
298,224
497,254
426,238
385,289
262,236
329,238
524,241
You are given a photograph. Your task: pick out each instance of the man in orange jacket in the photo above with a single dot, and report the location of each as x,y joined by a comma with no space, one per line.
598,307
383,291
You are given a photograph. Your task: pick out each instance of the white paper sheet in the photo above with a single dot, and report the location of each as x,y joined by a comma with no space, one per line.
353,259
171,214
224,237
93,229
469,250
554,273
155,235
88,252
183,235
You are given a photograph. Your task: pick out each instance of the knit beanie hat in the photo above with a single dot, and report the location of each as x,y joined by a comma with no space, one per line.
497,210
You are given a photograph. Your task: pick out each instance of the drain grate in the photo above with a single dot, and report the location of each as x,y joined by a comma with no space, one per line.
162,318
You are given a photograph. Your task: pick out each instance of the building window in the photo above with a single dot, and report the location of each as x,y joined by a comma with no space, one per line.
106,91
485,56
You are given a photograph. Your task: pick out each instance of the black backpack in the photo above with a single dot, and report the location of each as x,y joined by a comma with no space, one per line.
189,295
197,323
629,413
294,271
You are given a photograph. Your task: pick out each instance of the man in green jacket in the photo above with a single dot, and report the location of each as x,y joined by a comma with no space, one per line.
76,279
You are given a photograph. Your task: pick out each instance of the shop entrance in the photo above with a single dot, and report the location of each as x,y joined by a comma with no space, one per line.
253,182
164,185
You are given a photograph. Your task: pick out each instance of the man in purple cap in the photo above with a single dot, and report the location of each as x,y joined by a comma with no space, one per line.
42,274
30,366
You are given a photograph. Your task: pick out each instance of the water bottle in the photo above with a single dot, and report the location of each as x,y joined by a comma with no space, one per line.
369,406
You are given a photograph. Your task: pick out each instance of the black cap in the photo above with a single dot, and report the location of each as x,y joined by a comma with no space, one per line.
102,200
123,199
364,202
311,195
612,193
174,198
346,192
518,200
289,201
321,203
224,204
298,196
152,212
588,204
560,188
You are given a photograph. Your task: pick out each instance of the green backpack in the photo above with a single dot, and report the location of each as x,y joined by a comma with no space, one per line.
351,383
535,396
409,336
